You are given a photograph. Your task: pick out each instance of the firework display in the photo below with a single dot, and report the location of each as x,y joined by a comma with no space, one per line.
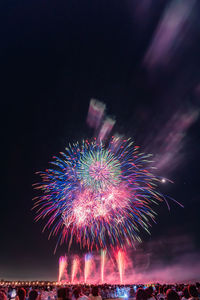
120,263
62,266
103,256
75,266
98,194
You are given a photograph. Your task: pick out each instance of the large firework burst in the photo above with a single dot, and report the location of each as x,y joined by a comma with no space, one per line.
98,195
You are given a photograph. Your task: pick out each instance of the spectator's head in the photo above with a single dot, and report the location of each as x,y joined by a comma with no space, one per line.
192,291
172,295
21,293
186,293
161,289
149,292
141,294
33,295
198,287
95,291
131,293
77,293
3,296
63,293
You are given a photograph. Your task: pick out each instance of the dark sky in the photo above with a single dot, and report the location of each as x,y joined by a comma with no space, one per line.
139,57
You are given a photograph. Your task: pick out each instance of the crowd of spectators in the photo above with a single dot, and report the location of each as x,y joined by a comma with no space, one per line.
99,292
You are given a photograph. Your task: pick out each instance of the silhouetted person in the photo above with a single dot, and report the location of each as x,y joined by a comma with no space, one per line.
198,288
161,295
193,292
3,296
172,295
33,295
95,293
141,294
149,293
131,293
63,294
185,294
76,293
21,294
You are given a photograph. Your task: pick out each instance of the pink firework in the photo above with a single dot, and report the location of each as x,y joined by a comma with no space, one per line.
98,195
121,264
75,266
103,257
87,270
62,267
106,204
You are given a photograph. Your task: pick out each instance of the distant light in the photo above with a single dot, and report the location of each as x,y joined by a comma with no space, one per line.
163,180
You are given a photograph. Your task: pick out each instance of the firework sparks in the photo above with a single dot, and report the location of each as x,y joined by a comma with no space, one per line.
103,256
121,264
95,113
88,261
75,265
98,195
62,266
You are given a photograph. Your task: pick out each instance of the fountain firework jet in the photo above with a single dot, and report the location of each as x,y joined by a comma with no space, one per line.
62,266
103,256
121,264
75,265
88,260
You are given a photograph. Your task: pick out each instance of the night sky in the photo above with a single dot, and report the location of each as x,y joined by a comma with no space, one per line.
142,59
